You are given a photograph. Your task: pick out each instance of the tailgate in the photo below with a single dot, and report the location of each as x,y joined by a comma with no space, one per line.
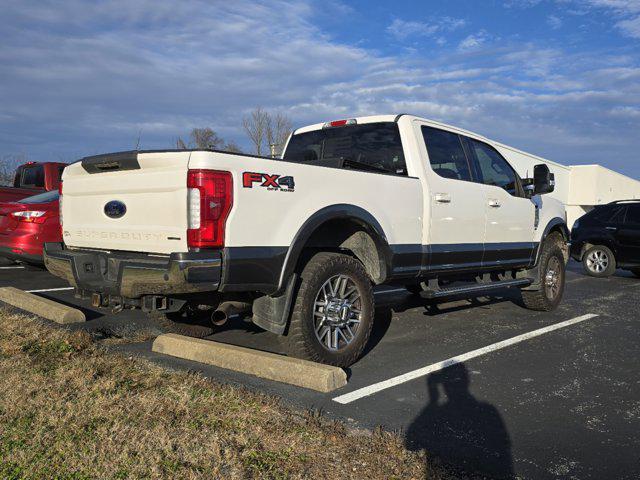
127,201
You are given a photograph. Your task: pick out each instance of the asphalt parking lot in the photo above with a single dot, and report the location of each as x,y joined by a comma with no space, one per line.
562,404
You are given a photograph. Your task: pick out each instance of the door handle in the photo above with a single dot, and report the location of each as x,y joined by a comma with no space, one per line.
612,228
494,203
442,198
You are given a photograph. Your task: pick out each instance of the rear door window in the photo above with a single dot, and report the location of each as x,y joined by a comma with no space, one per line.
446,154
376,145
32,177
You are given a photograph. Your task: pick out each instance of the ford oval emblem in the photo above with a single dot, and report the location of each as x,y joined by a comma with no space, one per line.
115,209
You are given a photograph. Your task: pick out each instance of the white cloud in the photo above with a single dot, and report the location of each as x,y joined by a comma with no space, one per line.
77,81
630,27
402,29
624,6
554,22
473,41
626,13
521,3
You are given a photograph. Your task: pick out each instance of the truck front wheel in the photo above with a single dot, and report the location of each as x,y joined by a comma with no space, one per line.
552,277
332,316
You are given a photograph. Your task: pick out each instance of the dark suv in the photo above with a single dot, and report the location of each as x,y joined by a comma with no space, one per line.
608,237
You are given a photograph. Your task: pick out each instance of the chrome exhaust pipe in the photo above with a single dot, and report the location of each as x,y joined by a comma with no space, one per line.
228,309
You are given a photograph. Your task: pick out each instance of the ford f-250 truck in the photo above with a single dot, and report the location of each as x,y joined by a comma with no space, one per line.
32,178
298,243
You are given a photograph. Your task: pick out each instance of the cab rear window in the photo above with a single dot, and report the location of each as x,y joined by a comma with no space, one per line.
374,145
32,177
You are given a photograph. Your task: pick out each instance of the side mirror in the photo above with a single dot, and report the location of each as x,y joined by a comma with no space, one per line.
543,180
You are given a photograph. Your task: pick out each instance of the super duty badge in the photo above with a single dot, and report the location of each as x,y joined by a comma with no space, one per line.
270,182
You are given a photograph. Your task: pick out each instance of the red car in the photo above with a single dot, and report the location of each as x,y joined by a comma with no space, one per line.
25,225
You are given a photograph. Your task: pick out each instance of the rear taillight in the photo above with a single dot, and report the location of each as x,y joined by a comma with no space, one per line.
210,196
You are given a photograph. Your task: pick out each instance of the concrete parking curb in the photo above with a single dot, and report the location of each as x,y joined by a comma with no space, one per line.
302,373
42,307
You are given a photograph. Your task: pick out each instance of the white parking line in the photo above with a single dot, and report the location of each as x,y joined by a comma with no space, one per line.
49,290
14,267
421,372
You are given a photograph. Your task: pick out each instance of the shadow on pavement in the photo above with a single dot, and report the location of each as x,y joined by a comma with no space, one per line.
460,430
458,303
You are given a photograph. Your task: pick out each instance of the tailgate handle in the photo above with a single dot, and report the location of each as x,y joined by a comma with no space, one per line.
111,162
105,167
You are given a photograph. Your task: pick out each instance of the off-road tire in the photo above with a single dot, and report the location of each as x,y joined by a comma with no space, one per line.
183,324
301,340
611,266
539,299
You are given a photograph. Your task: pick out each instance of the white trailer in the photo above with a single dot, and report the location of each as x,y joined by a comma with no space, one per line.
579,187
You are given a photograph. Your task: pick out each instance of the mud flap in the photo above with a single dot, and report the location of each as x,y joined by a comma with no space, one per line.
272,313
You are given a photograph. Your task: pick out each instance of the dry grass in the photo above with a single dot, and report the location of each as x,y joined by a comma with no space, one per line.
70,410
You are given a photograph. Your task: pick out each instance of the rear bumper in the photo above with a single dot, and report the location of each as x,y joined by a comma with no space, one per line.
133,275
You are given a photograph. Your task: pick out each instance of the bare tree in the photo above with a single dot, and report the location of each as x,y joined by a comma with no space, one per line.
232,147
8,166
265,129
256,126
206,139
278,130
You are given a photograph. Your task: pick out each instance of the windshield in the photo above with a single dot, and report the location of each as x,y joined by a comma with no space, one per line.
42,197
376,145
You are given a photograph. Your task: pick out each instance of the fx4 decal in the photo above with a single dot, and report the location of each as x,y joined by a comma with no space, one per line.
271,182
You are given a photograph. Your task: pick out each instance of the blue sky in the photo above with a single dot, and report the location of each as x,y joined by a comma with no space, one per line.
558,78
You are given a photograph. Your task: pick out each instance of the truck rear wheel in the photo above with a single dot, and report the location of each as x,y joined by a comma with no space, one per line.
333,312
552,277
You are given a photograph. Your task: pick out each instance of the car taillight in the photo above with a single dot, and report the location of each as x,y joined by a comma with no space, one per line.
31,216
210,196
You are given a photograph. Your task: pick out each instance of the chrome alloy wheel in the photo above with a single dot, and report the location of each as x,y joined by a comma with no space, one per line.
553,278
337,312
597,261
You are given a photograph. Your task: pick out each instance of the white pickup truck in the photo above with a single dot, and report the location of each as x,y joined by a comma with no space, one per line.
299,243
